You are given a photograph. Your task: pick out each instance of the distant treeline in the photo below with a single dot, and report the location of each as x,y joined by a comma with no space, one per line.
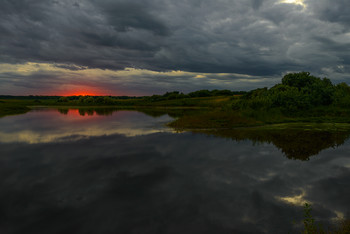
94,100
30,97
116,100
298,92
109,100
199,93
39,97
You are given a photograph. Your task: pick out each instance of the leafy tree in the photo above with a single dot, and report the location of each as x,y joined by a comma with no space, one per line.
108,100
99,100
81,99
342,95
200,93
297,92
288,98
63,99
224,92
89,100
298,80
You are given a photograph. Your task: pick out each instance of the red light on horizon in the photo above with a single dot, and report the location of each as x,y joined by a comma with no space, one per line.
83,94
84,91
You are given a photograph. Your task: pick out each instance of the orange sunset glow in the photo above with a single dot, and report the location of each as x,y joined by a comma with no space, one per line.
85,92
82,94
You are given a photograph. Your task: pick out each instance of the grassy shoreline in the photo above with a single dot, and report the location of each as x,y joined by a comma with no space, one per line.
300,97
218,119
304,126
8,108
204,113
297,137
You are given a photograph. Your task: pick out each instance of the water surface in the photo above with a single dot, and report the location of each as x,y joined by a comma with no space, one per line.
126,172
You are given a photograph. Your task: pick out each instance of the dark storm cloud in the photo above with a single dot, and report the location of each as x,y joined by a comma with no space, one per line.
124,15
256,37
332,11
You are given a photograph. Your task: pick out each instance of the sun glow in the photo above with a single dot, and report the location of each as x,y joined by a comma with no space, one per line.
81,94
83,91
296,2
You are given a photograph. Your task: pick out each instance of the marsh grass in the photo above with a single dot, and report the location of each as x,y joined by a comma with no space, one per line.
213,119
13,107
312,227
210,112
22,105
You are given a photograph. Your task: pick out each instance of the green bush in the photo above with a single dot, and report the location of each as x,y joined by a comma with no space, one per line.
297,93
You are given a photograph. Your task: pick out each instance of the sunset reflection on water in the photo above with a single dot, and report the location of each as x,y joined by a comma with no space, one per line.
129,173
48,125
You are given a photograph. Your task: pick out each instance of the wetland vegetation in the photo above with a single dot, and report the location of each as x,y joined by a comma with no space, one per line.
301,116
300,97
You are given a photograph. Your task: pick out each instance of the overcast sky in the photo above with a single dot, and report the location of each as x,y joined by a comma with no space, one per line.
129,47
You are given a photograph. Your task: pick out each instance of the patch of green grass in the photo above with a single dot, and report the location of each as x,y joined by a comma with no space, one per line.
13,107
212,102
307,126
213,119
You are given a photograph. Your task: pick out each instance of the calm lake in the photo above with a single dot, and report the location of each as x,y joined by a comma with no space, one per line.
107,171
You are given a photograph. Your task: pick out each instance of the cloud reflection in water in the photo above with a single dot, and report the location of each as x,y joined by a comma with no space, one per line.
164,183
43,126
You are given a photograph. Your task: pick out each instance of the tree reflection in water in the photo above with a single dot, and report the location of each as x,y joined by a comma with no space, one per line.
154,112
63,111
90,111
294,143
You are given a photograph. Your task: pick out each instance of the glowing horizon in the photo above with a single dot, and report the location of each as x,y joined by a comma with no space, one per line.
57,80
84,93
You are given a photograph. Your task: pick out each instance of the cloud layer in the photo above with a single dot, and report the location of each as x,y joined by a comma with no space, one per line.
264,38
